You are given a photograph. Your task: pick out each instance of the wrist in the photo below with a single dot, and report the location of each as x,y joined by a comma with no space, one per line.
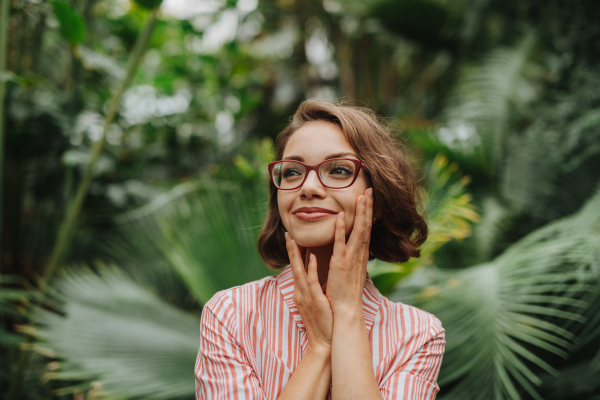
319,350
347,314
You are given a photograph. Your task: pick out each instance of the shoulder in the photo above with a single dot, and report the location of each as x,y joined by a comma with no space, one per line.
413,321
242,296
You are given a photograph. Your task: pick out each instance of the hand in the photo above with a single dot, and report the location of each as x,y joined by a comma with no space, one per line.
309,298
348,266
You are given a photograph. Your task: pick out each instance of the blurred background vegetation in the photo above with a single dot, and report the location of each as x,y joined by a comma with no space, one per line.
133,142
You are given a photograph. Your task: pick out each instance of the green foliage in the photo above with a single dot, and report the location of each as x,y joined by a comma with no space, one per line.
515,109
119,337
13,303
449,215
263,153
488,98
72,25
205,230
423,20
149,4
448,206
499,315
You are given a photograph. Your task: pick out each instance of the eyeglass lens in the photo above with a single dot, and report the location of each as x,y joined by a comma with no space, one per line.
334,173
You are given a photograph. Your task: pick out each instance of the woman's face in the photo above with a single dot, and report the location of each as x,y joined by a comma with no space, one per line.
313,143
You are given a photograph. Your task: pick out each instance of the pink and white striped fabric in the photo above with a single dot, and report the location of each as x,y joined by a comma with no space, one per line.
252,339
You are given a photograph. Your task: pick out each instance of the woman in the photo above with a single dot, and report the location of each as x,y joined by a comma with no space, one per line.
341,193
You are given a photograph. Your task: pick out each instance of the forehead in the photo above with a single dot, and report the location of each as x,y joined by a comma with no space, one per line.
315,140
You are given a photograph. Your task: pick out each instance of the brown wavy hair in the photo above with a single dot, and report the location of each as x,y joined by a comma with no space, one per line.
399,229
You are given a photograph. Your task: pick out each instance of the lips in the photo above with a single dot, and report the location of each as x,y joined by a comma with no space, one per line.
313,213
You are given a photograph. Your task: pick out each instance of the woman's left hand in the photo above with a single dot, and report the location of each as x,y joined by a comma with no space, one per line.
348,266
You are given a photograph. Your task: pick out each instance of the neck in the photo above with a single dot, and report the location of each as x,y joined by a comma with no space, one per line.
323,255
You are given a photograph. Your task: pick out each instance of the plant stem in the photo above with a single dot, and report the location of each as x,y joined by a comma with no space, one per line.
69,222
4,10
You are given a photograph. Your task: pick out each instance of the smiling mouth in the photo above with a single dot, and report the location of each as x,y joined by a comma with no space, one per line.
312,216
313,213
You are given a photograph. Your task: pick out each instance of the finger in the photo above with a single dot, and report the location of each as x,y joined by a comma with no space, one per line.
297,296
313,278
358,230
368,214
339,245
298,268
368,221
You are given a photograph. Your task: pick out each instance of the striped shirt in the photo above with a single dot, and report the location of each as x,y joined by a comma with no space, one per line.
252,339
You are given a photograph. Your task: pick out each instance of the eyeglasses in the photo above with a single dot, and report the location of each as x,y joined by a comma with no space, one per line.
335,173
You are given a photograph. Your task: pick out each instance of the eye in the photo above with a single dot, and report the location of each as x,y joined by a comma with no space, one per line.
341,170
290,172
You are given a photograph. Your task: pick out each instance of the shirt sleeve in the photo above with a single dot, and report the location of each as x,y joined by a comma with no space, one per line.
417,378
222,370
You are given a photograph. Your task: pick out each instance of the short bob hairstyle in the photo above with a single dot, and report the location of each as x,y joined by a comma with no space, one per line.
399,229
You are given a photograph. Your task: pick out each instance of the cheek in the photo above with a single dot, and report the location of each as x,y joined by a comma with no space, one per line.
283,207
350,216
348,202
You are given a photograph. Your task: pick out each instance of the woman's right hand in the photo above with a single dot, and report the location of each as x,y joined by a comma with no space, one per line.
312,304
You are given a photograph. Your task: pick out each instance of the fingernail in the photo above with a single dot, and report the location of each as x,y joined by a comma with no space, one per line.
342,215
312,257
362,200
370,193
287,236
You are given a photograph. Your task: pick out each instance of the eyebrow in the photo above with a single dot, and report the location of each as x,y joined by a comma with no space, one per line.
329,156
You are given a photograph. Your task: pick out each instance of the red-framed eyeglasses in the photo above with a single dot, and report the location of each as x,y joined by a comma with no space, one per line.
335,173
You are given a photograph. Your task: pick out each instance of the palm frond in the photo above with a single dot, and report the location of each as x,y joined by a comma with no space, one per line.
206,232
13,304
449,212
125,339
491,230
449,208
485,98
501,317
552,167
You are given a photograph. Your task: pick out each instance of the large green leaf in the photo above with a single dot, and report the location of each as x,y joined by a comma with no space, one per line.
72,25
206,231
131,343
490,96
552,167
502,317
121,336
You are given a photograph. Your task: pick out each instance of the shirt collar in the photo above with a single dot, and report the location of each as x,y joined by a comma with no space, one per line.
371,298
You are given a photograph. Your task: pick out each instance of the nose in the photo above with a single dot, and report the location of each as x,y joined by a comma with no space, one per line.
312,186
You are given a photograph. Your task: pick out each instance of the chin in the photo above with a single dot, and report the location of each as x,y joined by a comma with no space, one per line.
313,242
315,234
308,238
